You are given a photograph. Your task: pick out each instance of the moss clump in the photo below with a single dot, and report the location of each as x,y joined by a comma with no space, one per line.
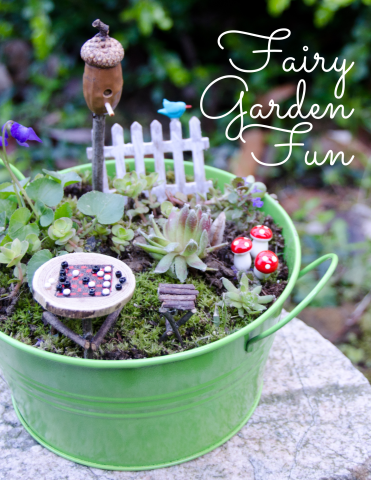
138,329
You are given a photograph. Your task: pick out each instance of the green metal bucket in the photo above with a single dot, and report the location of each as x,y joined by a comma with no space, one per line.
151,413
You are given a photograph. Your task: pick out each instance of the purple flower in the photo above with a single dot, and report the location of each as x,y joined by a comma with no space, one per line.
257,202
235,271
23,134
1,137
255,190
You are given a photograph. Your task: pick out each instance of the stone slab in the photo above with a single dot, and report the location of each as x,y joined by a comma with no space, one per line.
313,423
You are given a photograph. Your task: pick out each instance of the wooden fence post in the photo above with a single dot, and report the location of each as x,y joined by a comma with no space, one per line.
198,155
176,138
158,154
136,131
118,144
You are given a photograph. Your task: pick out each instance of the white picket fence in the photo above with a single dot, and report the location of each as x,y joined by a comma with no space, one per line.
156,148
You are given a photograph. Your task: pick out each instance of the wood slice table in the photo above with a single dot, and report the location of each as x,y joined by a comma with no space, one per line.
83,286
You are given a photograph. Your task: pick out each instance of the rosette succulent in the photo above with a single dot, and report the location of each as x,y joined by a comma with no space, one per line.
13,252
121,238
61,230
244,299
183,242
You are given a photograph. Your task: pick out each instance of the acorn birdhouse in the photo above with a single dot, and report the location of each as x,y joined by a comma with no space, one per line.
102,81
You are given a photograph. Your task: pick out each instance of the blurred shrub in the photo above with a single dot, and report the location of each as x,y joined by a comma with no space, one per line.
171,51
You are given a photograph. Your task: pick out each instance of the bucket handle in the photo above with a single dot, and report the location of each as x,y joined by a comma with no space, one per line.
307,299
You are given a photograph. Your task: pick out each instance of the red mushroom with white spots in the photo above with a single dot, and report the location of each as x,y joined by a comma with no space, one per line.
261,234
241,247
266,262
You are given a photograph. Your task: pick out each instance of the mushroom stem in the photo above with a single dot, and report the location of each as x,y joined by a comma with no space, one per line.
258,246
109,109
259,275
98,151
242,261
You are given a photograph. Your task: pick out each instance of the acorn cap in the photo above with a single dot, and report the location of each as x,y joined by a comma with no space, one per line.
102,51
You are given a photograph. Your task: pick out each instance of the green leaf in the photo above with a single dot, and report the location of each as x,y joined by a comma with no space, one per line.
165,263
190,248
35,262
9,205
46,190
195,262
18,224
46,214
8,189
107,207
166,208
229,285
64,210
2,221
181,268
64,179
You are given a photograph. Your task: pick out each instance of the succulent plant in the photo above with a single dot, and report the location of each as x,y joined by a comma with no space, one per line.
244,299
13,252
182,243
121,238
34,244
61,231
130,185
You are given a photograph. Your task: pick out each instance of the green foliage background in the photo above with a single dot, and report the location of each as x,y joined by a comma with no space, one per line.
171,51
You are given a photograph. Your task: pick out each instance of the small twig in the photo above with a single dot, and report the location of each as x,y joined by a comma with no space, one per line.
169,317
58,325
107,324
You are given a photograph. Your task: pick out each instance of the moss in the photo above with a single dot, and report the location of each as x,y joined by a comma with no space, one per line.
138,329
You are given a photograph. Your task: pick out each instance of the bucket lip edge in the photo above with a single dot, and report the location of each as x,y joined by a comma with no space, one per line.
272,311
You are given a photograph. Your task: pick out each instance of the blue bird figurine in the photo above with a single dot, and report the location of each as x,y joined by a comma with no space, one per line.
173,109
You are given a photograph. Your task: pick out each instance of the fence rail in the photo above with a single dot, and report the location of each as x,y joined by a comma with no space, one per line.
177,145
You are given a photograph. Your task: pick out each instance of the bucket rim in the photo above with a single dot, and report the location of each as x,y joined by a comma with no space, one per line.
273,310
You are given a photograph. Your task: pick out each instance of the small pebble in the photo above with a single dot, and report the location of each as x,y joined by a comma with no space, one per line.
47,285
91,284
75,273
85,280
118,286
66,292
107,277
118,274
64,264
107,269
51,281
91,292
100,273
105,291
106,284
122,280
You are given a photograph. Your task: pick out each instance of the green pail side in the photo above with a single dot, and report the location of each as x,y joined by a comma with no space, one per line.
146,413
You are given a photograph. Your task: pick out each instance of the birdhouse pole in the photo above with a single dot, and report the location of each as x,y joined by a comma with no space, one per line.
102,87
99,122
